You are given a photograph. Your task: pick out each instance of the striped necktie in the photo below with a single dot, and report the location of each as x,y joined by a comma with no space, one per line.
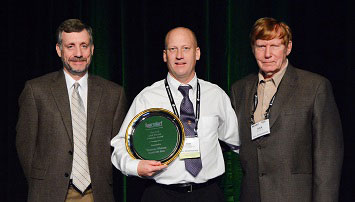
80,171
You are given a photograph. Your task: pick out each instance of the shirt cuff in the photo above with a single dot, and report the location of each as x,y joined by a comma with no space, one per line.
132,167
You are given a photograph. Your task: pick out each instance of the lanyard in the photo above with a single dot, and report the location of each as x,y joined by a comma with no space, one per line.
267,112
173,105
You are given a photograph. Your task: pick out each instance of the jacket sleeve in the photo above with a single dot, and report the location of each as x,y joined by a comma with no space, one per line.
120,113
327,145
27,128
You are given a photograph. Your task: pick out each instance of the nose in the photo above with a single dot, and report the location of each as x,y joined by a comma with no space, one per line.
78,52
180,54
267,52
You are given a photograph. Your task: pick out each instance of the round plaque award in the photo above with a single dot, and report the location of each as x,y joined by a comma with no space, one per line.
155,134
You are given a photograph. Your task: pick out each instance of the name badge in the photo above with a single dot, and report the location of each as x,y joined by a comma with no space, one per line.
260,129
191,148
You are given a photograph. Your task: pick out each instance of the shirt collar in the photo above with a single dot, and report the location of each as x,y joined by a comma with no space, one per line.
277,77
83,81
174,84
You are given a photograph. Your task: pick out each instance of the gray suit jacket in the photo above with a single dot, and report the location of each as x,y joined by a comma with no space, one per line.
44,137
301,159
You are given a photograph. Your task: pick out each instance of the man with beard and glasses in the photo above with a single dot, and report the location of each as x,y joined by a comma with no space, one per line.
66,121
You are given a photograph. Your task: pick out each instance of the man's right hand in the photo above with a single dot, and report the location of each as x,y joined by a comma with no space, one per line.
149,167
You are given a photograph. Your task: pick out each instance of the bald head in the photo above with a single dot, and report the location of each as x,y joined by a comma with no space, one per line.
181,53
181,31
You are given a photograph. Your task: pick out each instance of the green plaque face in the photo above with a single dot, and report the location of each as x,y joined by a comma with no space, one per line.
155,134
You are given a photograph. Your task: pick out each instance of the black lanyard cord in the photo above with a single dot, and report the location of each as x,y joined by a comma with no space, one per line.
267,112
173,105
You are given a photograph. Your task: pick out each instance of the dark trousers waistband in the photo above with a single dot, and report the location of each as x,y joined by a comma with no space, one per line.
188,187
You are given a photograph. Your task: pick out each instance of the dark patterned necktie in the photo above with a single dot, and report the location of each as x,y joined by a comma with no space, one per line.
187,117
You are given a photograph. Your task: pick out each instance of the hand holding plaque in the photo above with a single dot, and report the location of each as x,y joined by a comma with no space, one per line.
155,134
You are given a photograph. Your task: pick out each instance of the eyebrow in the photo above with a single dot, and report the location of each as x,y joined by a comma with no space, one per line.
73,43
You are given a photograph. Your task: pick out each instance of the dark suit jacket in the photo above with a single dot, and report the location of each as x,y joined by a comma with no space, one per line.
301,159
44,138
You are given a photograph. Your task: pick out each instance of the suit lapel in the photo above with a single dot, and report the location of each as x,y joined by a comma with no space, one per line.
60,94
94,98
283,94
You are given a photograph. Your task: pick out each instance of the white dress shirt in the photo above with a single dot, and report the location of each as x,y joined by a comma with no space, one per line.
217,121
83,87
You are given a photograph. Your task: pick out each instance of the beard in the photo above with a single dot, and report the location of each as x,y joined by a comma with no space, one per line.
73,71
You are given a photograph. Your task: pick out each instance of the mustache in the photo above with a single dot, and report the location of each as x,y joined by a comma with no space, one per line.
77,59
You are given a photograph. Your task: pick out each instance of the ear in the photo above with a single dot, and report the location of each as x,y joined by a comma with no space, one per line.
164,56
289,48
59,52
198,53
92,49
253,49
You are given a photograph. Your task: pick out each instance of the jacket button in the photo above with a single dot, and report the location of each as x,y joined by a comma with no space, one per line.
70,152
259,147
66,175
262,174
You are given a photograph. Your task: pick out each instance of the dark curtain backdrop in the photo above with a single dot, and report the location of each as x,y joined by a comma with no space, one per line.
129,41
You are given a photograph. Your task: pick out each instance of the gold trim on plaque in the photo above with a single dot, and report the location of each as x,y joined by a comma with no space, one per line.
129,128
